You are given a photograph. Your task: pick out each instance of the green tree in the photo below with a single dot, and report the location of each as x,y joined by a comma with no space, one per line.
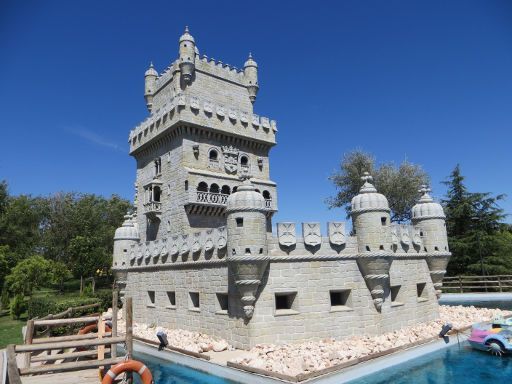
59,273
477,236
4,265
399,184
29,274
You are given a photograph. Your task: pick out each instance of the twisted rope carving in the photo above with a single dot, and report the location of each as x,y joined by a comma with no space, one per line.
248,258
376,277
416,219
248,282
438,272
376,292
362,210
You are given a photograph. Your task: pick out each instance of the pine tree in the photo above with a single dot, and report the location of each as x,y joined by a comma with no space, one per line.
476,233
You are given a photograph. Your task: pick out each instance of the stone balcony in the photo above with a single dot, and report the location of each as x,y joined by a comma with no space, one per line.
153,209
210,203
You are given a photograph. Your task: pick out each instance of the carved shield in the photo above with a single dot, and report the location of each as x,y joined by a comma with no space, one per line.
132,255
312,234
185,248
220,110
175,249
394,235
194,103
405,238
208,243
221,237
286,234
147,254
164,250
243,117
416,238
337,233
208,108
232,114
196,242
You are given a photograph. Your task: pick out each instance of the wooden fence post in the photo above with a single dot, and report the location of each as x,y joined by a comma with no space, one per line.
29,336
499,283
13,373
113,349
460,284
129,333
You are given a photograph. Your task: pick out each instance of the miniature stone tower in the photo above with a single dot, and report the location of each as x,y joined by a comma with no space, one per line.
187,56
371,221
125,237
429,217
247,242
149,86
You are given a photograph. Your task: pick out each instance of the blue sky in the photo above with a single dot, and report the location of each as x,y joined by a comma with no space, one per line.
430,81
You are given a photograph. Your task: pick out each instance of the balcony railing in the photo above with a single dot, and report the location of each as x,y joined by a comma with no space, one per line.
211,198
153,208
268,203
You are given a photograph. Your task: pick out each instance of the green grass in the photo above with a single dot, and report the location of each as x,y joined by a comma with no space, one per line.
10,330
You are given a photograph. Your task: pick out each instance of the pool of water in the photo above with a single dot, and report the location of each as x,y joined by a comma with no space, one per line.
166,372
451,365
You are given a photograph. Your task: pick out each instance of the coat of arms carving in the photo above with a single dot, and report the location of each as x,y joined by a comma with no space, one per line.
286,234
230,158
405,238
394,235
337,233
416,238
185,248
174,249
312,234
221,237
208,243
196,242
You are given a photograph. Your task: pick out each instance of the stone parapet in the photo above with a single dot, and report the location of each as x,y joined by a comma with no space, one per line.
219,117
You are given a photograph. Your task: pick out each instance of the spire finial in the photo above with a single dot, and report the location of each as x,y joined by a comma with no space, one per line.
151,64
250,55
186,29
367,178
424,189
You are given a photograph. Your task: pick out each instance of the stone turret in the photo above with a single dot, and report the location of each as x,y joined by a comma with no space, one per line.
371,222
124,237
187,56
251,78
247,242
428,216
149,86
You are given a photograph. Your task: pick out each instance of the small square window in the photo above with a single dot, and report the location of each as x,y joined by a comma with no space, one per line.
340,299
171,295
239,221
383,220
151,297
422,291
222,300
194,301
285,303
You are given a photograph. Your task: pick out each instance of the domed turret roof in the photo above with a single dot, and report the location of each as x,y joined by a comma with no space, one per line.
368,198
426,207
187,36
151,71
127,231
250,62
246,198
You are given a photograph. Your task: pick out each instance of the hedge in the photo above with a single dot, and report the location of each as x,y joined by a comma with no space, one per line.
43,306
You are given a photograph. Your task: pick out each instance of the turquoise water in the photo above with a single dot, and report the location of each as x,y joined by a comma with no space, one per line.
451,365
165,372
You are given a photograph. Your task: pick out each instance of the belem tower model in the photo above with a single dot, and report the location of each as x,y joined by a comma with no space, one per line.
198,253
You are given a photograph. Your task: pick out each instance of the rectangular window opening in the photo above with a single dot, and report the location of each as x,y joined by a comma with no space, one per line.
239,221
340,299
285,301
421,291
194,300
222,299
171,295
395,295
151,297
383,220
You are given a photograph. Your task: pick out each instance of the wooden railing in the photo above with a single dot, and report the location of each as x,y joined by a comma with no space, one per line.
461,284
39,350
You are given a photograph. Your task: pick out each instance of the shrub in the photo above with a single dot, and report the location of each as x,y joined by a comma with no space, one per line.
4,299
43,306
18,306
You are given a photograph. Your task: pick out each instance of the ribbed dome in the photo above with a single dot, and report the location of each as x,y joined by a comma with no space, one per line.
187,36
151,71
426,207
245,199
250,62
127,231
368,198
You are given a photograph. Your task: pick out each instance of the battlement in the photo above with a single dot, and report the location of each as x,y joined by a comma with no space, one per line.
200,111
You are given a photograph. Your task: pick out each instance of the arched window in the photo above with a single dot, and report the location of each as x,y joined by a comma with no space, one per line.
266,195
225,190
244,161
235,189
213,155
214,188
202,187
257,190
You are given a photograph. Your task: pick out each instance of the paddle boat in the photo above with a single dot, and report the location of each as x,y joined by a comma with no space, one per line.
494,336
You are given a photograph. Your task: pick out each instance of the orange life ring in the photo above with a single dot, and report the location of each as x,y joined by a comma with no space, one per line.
92,328
128,366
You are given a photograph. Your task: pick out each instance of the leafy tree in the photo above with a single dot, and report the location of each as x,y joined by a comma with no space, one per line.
18,306
29,274
4,265
477,236
59,273
399,184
